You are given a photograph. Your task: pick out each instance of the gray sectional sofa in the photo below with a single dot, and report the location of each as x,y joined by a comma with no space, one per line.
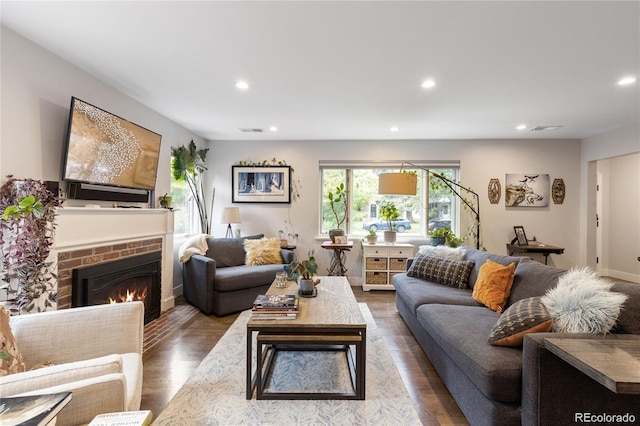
220,283
496,385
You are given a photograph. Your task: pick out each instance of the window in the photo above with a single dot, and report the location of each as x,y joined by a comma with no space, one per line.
185,216
417,217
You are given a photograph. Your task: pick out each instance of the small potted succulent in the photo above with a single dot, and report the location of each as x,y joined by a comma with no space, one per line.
372,237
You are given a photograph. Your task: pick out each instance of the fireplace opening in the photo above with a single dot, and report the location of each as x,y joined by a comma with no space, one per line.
120,281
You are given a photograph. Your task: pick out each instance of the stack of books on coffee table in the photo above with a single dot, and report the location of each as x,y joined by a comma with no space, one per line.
275,307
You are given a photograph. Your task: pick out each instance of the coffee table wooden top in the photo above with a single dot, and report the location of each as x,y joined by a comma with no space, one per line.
334,308
614,363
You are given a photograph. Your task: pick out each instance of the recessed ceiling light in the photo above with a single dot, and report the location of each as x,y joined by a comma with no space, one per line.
521,127
394,128
427,84
242,85
627,80
273,128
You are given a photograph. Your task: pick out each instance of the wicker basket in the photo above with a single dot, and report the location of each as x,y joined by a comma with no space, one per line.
397,264
376,263
376,278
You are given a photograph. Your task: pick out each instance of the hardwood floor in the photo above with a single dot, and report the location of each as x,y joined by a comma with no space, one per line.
168,364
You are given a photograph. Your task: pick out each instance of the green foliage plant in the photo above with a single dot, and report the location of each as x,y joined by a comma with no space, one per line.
449,236
28,212
188,165
389,212
338,201
306,269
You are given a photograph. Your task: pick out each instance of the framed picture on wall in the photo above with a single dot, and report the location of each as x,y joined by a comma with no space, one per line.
257,184
520,235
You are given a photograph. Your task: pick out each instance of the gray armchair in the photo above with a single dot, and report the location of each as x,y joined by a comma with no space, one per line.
220,283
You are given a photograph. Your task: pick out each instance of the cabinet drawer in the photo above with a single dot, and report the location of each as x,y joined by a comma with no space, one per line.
401,252
376,278
376,263
376,252
398,263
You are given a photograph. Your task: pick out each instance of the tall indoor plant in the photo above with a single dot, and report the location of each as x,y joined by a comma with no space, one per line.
188,164
389,212
338,203
27,229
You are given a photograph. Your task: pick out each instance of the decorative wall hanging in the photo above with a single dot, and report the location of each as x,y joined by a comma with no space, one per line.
531,190
558,191
494,190
258,184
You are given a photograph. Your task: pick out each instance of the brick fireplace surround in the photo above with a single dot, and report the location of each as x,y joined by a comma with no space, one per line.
68,261
90,236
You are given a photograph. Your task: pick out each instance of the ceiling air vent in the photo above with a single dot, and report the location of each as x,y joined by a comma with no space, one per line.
250,130
544,128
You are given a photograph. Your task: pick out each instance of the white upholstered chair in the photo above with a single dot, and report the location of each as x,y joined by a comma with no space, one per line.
96,352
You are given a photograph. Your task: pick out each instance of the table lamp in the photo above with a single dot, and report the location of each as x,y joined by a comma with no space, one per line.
230,215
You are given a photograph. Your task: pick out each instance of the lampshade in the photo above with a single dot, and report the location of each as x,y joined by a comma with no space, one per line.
230,215
397,183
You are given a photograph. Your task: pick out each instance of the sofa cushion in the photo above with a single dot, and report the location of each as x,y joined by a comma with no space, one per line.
235,278
445,252
523,317
493,286
415,292
265,251
479,257
629,319
228,251
583,303
532,279
461,332
454,273
10,357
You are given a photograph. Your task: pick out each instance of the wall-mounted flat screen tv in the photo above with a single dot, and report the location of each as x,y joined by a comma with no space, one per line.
105,149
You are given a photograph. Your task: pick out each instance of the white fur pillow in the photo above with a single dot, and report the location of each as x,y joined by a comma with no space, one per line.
443,252
583,303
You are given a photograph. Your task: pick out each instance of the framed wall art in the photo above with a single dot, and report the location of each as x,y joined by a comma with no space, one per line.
530,190
521,237
256,184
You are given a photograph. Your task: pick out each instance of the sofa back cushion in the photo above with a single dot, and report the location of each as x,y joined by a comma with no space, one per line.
533,279
228,251
479,257
629,319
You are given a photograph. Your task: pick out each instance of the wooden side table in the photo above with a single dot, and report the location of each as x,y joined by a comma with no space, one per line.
534,247
338,257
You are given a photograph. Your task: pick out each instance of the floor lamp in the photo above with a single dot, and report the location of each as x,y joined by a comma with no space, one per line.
230,215
406,183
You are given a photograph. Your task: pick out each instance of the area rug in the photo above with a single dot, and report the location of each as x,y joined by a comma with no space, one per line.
215,392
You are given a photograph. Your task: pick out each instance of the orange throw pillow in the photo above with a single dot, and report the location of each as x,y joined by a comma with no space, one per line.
493,285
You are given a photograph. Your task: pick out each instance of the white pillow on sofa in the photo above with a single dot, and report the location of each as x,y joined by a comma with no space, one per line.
443,252
582,302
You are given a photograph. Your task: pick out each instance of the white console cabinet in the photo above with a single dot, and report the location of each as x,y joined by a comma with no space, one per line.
381,262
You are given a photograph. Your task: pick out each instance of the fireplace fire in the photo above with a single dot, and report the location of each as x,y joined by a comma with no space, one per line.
120,281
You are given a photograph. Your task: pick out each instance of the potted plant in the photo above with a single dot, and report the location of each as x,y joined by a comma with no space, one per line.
188,164
338,204
445,236
372,237
390,213
28,211
305,270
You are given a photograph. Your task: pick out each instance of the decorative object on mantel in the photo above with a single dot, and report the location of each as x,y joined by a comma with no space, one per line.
230,215
558,191
27,228
494,190
406,183
188,165
531,190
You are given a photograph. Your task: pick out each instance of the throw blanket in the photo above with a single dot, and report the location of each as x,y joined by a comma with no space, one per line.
194,245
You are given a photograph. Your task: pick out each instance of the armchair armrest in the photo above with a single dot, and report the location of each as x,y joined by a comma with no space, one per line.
554,392
80,333
287,256
198,277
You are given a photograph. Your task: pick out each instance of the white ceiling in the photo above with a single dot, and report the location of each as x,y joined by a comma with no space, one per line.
351,70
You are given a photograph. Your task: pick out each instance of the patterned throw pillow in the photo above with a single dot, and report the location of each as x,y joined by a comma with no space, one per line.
10,357
454,273
265,251
493,286
525,316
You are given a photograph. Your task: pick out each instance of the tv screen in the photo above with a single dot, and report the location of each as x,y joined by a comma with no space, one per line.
108,150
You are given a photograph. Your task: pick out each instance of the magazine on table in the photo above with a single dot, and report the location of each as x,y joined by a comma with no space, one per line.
35,410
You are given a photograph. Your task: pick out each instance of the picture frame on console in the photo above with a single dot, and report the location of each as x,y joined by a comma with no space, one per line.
257,184
520,235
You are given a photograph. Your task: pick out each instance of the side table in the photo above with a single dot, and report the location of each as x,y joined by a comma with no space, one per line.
338,256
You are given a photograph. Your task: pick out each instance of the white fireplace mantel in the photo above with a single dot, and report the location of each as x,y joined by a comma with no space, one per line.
87,227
